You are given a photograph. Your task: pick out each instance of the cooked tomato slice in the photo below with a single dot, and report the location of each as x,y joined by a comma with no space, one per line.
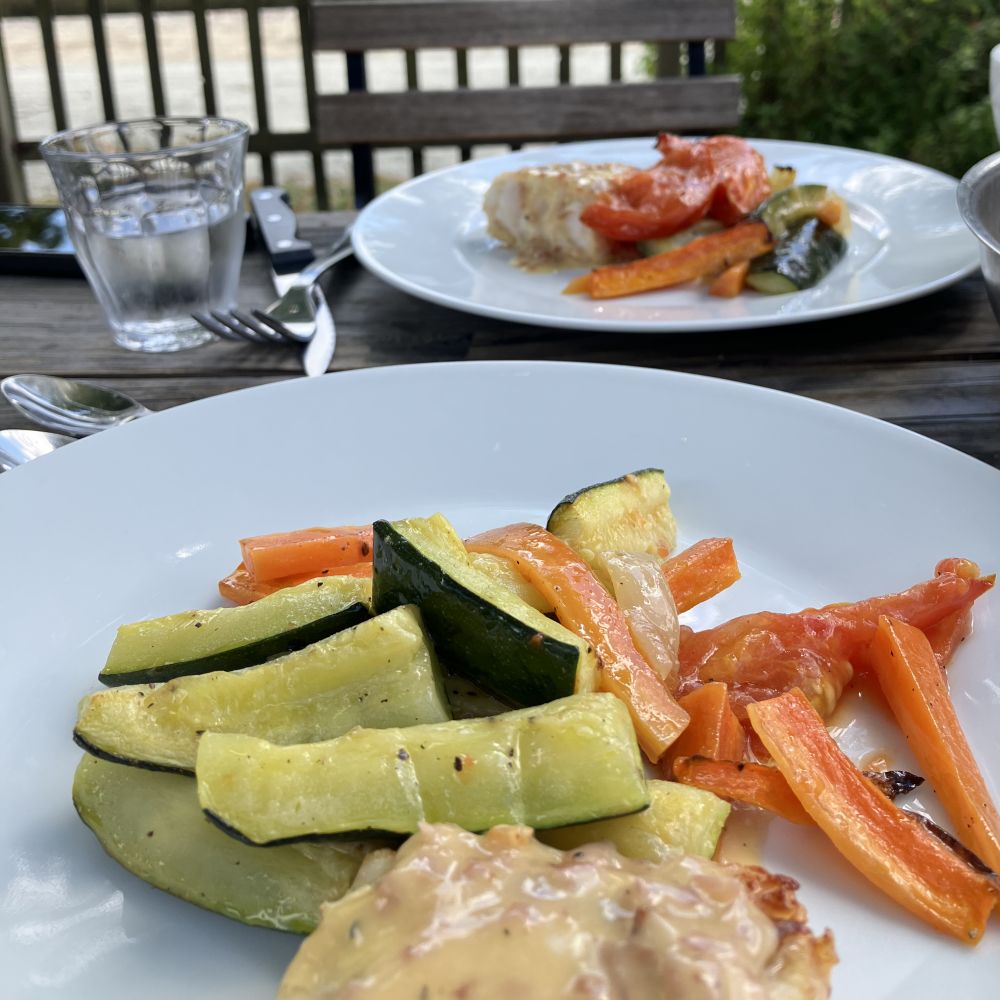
722,176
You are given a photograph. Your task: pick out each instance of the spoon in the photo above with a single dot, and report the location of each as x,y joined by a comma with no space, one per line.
78,408
18,447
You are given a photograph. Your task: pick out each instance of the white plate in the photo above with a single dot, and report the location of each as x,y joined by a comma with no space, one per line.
428,237
824,505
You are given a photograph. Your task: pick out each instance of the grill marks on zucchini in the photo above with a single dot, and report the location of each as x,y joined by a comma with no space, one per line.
198,642
151,824
571,761
628,514
481,628
382,672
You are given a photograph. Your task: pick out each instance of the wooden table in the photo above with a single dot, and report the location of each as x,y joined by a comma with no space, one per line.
932,365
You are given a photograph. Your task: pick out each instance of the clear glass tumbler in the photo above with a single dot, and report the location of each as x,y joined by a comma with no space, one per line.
155,211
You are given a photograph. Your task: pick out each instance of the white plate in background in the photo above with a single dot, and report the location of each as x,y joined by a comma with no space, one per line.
428,237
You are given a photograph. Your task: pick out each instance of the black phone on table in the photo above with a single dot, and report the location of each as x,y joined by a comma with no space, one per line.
34,239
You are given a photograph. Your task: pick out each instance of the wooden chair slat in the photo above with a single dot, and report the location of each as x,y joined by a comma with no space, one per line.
355,25
528,114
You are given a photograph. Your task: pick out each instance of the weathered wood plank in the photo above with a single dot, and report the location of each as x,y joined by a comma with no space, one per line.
528,113
931,365
385,24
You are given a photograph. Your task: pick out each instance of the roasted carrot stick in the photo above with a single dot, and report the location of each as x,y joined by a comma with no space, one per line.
948,634
241,588
741,781
308,550
701,571
731,282
890,848
586,608
714,731
703,256
917,692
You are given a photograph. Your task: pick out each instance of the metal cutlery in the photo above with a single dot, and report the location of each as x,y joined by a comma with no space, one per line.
19,447
295,317
68,406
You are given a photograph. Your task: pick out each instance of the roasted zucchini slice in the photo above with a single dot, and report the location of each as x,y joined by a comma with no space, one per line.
197,642
504,572
787,208
150,824
675,820
571,761
628,514
481,629
380,673
803,256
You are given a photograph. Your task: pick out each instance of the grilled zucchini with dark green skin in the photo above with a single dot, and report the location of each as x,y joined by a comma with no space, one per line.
151,824
380,673
802,257
627,514
197,642
481,629
570,761
788,208
679,817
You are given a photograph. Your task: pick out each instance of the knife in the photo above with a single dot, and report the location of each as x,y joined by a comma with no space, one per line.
319,351
288,256
277,226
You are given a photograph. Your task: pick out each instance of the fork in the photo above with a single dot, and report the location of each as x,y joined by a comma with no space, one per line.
291,319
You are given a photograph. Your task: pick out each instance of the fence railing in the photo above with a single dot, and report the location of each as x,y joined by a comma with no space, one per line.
324,174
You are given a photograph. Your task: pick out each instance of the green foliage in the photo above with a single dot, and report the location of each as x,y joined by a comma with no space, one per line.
904,77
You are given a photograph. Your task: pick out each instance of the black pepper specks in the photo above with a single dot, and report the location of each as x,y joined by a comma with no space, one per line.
458,763
402,754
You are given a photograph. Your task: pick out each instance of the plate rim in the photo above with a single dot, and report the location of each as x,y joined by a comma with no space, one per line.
215,410
377,267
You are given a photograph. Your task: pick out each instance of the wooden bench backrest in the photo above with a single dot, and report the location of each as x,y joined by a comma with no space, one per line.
520,114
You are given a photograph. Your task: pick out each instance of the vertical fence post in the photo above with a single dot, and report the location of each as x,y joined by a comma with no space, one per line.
361,155
11,176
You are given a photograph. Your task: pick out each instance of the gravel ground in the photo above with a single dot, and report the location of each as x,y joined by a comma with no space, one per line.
234,84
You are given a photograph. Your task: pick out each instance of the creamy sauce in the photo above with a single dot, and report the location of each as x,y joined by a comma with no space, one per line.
500,915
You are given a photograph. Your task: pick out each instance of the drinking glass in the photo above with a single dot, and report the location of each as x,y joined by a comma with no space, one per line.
155,212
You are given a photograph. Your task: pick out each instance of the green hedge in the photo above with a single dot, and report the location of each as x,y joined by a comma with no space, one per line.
904,77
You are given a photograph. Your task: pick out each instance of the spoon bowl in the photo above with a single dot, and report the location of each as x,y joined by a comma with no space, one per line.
68,406
19,447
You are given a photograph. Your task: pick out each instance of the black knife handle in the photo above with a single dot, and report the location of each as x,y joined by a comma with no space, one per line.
277,224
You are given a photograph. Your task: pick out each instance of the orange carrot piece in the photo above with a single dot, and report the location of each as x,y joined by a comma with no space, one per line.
701,571
241,588
579,285
702,256
714,731
886,845
948,634
830,211
586,608
308,550
742,781
917,692
731,282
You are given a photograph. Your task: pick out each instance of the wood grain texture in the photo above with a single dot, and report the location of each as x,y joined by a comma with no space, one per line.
357,25
528,113
932,365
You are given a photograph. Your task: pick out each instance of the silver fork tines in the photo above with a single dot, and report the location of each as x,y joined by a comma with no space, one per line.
291,319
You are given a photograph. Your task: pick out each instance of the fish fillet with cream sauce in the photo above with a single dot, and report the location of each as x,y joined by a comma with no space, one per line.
501,915
536,213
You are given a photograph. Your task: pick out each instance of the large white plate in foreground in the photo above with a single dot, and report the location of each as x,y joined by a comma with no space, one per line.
824,505
428,237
